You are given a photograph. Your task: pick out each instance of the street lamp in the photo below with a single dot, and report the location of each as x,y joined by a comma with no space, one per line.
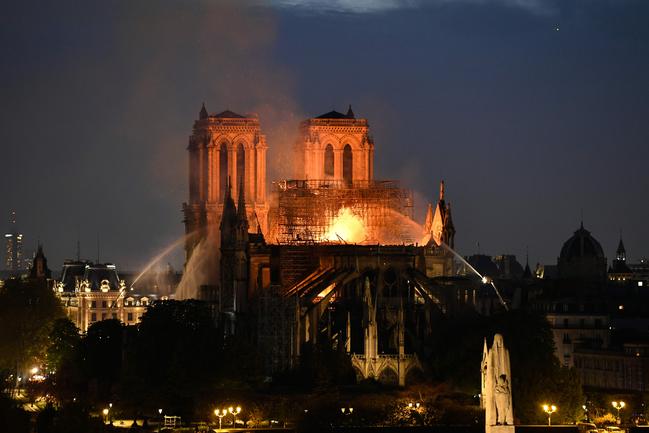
105,412
347,410
414,406
549,409
618,405
234,412
220,414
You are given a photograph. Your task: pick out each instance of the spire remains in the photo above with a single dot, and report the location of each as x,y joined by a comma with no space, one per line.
350,113
441,191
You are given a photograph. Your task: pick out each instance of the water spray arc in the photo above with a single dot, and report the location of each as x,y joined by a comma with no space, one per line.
149,265
485,279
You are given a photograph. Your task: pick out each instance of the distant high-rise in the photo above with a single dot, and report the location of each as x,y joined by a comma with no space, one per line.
13,246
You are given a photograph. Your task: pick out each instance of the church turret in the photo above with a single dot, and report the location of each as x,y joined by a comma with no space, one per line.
620,254
242,216
619,270
228,218
440,224
234,258
449,229
350,113
203,113
39,267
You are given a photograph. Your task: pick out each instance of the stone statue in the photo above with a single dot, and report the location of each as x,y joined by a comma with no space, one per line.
496,397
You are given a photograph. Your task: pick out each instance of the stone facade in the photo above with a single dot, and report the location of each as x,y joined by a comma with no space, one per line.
335,146
224,148
91,292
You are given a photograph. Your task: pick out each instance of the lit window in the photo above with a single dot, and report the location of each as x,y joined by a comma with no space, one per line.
620,307
639,283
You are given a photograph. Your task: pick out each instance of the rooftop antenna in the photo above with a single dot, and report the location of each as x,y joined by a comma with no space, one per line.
97,247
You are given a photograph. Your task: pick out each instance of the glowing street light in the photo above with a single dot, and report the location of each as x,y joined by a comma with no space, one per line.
234,411
618,405
549,409
414,406
220,413
347,410
105,412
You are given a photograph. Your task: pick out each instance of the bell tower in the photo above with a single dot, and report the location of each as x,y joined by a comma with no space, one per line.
336,147
224,146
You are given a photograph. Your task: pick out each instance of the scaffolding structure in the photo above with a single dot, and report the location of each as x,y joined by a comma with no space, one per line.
305,209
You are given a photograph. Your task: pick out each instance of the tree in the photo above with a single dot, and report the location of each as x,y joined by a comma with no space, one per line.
27,311
536,374
65,361
64,339
174,361
103,356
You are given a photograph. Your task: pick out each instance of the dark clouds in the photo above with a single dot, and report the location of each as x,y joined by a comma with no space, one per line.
527,125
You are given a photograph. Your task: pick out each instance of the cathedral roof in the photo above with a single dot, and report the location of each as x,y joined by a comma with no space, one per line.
335,115
581,245
227,114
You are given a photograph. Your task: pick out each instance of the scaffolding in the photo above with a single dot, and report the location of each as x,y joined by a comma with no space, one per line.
304,209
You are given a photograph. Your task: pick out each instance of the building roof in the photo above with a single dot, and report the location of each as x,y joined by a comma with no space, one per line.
78,271
227,114
334,115
581,245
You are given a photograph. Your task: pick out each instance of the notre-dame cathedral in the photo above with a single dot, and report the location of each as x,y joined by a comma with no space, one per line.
332,256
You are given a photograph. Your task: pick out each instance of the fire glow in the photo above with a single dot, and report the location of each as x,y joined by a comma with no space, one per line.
347,227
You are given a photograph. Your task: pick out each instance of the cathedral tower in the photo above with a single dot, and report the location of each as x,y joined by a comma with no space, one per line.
224,146
335,146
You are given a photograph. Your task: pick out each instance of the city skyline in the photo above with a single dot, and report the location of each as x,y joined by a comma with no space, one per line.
519,109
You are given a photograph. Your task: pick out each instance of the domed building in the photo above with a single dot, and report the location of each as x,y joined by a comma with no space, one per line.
582,257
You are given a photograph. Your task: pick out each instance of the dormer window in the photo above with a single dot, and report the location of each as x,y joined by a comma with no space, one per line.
104,287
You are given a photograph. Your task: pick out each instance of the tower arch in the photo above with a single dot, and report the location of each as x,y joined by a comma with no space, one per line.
348,164
329,161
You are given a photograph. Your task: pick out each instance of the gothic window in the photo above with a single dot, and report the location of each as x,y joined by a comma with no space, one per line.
347,164
329,161
241,166
223,168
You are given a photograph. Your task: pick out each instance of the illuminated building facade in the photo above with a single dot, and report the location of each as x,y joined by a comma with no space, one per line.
13,247
340,259
91,292
335,146
224,149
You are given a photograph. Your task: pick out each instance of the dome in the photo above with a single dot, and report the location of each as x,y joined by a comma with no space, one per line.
582,257
581,245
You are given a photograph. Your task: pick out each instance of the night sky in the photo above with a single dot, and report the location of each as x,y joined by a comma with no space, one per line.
534,112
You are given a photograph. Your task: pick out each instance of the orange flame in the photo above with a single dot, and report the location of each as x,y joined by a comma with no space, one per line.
347,226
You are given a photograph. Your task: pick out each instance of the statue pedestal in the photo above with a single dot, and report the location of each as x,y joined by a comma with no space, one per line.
500,429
